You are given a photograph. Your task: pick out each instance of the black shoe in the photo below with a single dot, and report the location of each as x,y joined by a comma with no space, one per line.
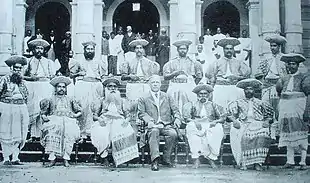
288,166
303,167
17,162
7,163
154,166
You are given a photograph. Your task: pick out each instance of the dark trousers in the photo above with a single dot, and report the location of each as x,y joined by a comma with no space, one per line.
170,140
112,65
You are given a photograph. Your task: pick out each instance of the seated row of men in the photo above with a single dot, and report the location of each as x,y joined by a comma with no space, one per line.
203,119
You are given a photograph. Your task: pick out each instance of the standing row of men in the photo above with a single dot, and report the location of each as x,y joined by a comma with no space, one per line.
204,113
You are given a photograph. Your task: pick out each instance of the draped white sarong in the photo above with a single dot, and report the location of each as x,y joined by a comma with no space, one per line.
206,142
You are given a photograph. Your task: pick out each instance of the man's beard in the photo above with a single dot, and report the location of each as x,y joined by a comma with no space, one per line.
202,99
113,97
16,78
89,55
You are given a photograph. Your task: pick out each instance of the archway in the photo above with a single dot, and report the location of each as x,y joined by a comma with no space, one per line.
147,18
53,16
222,14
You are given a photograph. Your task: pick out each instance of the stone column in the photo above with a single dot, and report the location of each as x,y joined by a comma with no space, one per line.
19,24
74,26
174,22
98,19
293,26
198,18
6,31
187,23
270,17
254,24
84,29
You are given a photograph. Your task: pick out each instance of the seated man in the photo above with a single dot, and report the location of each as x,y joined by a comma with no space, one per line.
159,112
204,128
59,129
250,137
111,125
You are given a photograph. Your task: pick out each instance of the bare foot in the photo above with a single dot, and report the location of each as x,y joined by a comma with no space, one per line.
196,163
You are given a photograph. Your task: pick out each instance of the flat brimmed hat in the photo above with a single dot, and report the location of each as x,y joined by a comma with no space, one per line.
60,79
200,87
111,79
293,57
87,43
251,82
182,42
16,60
276,38
228,41
137,42
38,42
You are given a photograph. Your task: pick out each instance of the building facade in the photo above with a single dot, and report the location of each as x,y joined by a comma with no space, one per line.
86,19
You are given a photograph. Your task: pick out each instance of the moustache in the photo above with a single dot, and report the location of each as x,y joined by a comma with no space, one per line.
16,78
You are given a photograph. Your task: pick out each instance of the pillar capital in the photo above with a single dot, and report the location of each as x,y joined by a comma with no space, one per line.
252,4
172,2
99,3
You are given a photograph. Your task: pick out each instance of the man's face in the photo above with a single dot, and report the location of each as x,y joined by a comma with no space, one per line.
104,34
275,48
112,87
89,52
150,32
28,33
218,30
182,50
139,50
52,33
249,92
203,96
244,34
38,51
68,34
70,54
155,84
199,48
228,51
61,89
120,32
129,29
17,69
201,40
38,31
208,32
292,67
112,36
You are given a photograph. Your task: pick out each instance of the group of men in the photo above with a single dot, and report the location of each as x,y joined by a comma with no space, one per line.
115,48
61,112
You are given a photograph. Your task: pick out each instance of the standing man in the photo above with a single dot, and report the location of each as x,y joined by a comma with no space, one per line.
59,129
271,69
128,50
88,87
137,71
150,48
216,38
65,55
208,41
37,75
183,74
161,116
162,49
105,51
226,72
51,53
114,50
120,56
26,39
250,137
204,126
111,126
294,113
244,49
14,117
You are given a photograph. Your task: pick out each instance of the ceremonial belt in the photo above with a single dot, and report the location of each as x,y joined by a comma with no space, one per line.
223,82
178,80
12,101
43,79
88,79
292,95
63,113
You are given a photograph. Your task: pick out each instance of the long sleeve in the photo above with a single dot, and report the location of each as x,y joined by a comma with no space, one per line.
96,108
198,70
267,110
187,112
244,70
76,106
279,86
142,113
45,107
174,109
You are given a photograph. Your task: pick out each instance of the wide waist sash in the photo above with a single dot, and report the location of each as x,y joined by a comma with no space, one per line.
12,101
